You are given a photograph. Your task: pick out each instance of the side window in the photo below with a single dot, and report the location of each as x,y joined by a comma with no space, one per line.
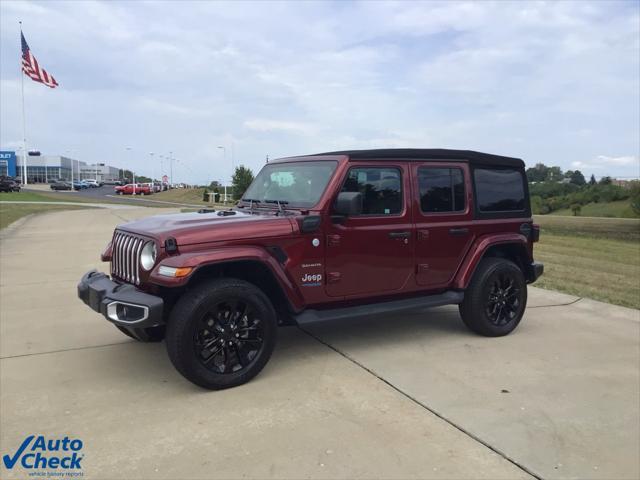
381,189
441,189
499,190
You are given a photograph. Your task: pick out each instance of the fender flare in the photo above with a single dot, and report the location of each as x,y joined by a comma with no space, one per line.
225,255
479,249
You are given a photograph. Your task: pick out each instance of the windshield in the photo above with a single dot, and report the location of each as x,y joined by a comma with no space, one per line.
300,184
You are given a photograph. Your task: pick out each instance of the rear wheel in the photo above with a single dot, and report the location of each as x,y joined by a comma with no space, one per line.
221,333
496,298
151,334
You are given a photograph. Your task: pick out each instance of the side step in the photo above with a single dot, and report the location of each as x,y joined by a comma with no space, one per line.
394,306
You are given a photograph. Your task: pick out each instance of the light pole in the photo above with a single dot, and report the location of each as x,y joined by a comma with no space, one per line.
170,169
153,171
132,173
224,160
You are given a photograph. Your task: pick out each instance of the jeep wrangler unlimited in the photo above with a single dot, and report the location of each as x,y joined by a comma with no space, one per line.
325,236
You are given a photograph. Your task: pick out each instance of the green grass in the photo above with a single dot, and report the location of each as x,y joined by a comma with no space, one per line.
598,268
619,209
181,195
26,196
604,228
10,212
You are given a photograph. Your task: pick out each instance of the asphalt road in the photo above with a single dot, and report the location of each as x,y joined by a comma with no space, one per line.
413,396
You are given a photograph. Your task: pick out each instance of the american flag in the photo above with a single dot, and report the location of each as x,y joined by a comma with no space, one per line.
31,68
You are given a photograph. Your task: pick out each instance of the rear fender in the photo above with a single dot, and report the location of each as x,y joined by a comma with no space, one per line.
220,256
480,248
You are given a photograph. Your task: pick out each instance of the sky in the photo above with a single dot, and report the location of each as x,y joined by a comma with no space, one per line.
551,82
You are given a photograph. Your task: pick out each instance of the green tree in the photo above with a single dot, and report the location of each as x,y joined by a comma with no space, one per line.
605,181
577,178
240,181
575,208
635,197
592,180
554,174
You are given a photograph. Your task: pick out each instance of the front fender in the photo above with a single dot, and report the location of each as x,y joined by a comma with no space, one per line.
222,255
477,251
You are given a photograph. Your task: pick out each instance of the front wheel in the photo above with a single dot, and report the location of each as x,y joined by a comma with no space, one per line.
496,298
221,333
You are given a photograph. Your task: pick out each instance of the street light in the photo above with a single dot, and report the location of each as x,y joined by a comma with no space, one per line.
224,160
153,172
132,172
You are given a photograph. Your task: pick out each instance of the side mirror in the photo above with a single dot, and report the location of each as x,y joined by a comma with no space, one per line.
348,204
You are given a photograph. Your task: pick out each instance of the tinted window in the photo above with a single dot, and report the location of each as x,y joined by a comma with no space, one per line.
381,189
499,190
441,189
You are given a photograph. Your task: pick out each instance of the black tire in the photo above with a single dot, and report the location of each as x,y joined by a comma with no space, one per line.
496,298
221,333
146,335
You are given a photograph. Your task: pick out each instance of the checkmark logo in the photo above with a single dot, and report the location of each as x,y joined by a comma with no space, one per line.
10,462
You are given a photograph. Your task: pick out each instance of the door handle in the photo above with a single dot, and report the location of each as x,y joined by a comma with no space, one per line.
458,231
399,234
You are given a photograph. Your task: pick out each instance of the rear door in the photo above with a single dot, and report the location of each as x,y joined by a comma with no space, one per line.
443,218
373,253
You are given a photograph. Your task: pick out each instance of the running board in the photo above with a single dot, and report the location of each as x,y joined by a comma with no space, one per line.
394,306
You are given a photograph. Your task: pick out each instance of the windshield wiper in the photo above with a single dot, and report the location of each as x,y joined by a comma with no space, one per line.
251,201
280,203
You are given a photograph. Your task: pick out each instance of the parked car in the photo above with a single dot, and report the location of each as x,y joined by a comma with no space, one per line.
61,186
78,185
128,189
8,184
320,237
92,183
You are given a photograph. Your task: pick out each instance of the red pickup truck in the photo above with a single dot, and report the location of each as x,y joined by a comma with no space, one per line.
134,189
326,236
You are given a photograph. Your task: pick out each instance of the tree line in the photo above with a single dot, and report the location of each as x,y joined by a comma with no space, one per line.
552,189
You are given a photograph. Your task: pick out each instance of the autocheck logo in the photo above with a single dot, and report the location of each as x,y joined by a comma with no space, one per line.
37,452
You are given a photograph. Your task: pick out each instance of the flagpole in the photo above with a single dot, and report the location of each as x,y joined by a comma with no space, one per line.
24,123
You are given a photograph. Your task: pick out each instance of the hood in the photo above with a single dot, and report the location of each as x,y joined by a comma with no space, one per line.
194,228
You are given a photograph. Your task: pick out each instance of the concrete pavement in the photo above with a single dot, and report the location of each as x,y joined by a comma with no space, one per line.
410,397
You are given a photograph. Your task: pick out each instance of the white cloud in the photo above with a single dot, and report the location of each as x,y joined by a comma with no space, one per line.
264,125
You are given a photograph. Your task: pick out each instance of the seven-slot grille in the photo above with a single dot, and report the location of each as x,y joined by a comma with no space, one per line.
125,259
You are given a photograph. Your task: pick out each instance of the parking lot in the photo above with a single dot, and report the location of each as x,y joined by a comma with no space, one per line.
415,396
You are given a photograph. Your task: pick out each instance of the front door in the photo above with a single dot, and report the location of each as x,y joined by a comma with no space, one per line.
443,220
372,253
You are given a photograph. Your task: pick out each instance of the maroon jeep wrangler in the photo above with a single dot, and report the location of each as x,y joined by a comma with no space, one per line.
327,236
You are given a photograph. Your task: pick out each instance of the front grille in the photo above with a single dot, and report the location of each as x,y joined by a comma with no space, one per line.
125,260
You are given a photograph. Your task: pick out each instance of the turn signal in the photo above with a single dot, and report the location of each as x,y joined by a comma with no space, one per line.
174,272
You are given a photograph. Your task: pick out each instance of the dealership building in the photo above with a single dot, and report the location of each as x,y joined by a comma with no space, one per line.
42,168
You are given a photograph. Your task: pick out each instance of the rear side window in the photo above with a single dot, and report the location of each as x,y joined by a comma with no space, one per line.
499,190
441,189
381,189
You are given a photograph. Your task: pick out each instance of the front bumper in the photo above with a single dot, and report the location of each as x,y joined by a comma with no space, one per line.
120,303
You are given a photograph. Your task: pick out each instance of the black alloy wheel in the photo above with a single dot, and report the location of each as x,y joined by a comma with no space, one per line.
229,337
221,333
503,302
495,300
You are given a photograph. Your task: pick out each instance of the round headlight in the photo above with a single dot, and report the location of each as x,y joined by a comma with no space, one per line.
148,256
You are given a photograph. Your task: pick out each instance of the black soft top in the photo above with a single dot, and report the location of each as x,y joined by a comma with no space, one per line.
425,154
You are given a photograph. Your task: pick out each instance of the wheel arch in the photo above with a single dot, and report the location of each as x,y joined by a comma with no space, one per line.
513,247
252,271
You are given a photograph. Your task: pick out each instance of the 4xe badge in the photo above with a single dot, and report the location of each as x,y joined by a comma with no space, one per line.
37,452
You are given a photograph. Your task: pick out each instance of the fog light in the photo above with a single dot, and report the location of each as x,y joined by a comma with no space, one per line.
127,312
